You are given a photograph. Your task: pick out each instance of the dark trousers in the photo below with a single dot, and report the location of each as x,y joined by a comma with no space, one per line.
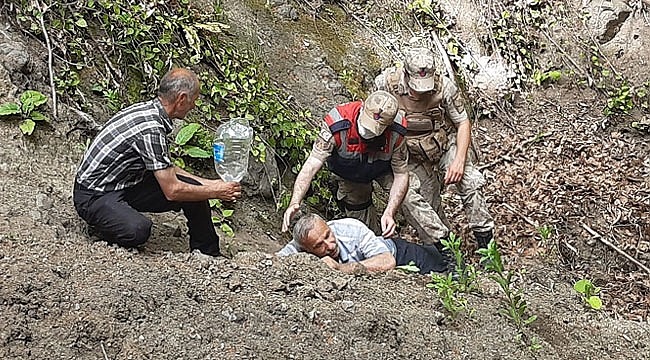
116,214
425,257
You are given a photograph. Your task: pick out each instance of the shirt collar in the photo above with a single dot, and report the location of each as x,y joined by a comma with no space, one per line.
164,118
344,253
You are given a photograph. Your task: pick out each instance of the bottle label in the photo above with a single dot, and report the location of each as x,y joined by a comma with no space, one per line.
217,150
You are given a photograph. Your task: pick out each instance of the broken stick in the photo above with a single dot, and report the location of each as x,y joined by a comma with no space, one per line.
49,55
615,248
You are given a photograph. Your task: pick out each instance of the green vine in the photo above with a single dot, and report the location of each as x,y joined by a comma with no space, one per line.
118,51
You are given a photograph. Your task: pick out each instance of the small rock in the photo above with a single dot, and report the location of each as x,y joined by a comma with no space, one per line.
347,305
234,283
287,12
176,229
228,315
340,283
14,56
277,285
36,215
438,317
43,202
324,286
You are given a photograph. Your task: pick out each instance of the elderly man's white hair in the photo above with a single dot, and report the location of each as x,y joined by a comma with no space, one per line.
303,226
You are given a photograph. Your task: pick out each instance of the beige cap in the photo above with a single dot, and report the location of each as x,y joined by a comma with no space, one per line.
421,69
378,112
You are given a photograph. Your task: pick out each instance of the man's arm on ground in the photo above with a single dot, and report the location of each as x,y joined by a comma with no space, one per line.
376,264
176,190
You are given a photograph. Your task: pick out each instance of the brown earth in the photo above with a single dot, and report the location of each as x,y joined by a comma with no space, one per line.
64,295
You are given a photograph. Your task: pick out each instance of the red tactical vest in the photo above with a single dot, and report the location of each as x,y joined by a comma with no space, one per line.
356,159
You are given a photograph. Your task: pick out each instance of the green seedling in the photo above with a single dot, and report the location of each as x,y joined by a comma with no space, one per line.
449,293
409,268
222,219
466,272
515,304
534,344
30,101
542,77
450,288
589,293
545,232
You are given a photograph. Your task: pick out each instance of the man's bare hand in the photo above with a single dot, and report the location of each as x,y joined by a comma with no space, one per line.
387,226
227,190
333,264
455,172
288,215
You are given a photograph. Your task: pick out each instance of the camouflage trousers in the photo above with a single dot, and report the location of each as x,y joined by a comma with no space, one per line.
422,206
356,199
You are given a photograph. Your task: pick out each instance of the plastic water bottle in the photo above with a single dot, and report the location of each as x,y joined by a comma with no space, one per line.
231,146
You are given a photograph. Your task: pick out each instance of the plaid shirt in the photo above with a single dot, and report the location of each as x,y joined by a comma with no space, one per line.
131,142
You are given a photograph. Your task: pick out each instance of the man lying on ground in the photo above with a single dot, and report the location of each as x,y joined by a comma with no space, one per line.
348,244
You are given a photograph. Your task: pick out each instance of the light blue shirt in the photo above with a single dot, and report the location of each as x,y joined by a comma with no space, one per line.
355,240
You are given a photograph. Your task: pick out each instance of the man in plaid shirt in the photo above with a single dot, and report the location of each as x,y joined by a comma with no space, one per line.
127,170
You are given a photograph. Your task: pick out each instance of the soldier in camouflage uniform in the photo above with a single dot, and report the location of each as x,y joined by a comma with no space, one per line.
438,139
361,143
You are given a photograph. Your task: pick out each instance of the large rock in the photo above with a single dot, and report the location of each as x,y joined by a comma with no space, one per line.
606,19
14,56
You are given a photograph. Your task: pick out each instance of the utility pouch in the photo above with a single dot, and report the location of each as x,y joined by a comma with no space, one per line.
429,146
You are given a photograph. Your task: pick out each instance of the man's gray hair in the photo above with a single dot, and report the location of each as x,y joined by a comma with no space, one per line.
304,225
177,81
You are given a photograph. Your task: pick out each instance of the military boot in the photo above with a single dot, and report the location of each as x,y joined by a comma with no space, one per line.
483,238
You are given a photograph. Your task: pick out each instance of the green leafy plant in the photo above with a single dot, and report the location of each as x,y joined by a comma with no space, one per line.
111,95
515,305
448,291
221,219
619,101
30,101
589,293
192,141
542,77
641,96
353,82
451,287
545,232
409,268
534,345
133,44
466,273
